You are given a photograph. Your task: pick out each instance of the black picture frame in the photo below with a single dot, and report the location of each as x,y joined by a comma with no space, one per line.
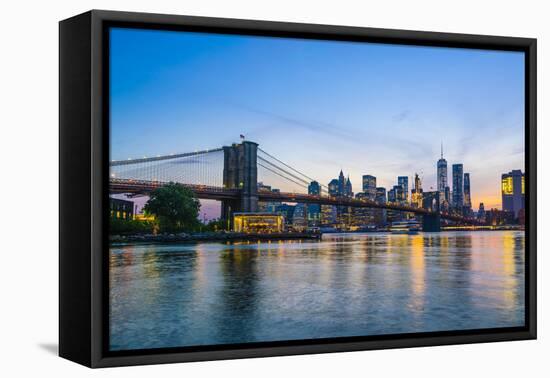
83,181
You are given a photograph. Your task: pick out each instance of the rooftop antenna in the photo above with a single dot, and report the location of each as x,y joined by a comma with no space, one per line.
441,149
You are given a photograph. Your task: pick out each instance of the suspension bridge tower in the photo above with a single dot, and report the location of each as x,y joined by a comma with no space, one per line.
240,171
431,222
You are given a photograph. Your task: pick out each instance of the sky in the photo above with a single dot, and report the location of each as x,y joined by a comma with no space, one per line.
321,106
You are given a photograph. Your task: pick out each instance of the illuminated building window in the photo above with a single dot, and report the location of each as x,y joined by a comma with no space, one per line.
508,186
258,222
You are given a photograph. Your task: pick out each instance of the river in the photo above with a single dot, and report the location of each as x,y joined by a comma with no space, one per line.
175,295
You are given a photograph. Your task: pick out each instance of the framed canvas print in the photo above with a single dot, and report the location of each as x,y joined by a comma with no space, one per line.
234,188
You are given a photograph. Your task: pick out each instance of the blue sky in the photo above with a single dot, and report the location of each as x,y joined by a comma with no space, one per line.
321,106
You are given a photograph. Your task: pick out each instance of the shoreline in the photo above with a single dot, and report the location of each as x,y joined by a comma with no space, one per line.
211,237
240,237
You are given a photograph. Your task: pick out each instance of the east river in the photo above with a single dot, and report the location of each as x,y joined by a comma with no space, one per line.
174,295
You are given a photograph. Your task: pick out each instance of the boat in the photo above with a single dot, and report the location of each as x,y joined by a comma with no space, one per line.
409,227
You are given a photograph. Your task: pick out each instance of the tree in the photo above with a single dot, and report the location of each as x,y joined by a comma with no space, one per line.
175,207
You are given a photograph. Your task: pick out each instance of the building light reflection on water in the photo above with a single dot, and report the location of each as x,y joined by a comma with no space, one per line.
418,268
353,284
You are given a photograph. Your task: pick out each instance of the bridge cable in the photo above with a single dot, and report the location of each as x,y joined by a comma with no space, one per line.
288,166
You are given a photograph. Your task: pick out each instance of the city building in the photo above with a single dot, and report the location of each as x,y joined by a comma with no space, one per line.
267,207
258,222
348,190
299,220
481,212
314,210
458,186
467,195
121,209
442,177
416,192
448,195
363,216
396,194
513,191
341,183
342,187
287,211
381,214
328,215
333,188
403,181
369,186
495,217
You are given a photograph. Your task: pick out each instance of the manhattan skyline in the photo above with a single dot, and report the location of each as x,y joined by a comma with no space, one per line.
324,106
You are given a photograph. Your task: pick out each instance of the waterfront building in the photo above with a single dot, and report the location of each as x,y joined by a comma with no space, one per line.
403,181
381,214
287,211
513,191
369,186
416,192
121,209
299,219
258,222
458,186
495,217
363,216
442,177
328,215
314,210
267,207
395,195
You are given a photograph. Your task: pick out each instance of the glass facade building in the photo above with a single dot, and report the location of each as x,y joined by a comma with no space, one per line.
458,186
513,191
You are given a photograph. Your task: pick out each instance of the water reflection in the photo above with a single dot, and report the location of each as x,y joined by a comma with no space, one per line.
344,285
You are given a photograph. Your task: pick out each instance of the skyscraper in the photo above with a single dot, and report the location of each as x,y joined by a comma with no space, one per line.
333,188
314,210
396,194
481,212
369,187
416,192
341,183
348,190
381,215
403,181
513,191
467,195
314,188
458,186
441,176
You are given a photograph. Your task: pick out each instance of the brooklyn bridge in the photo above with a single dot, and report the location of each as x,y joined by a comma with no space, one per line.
231,174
